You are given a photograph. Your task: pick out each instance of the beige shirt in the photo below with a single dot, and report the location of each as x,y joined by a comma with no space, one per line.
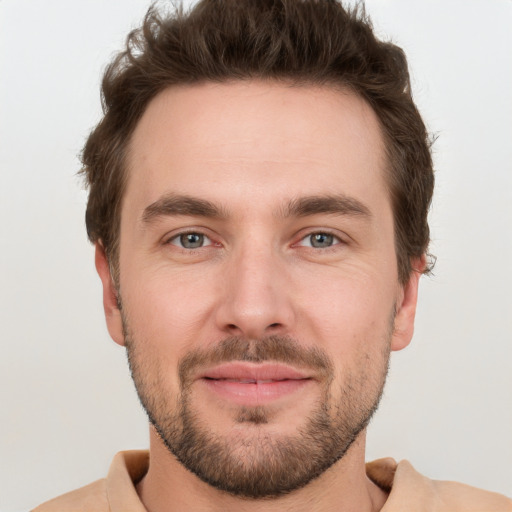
408,490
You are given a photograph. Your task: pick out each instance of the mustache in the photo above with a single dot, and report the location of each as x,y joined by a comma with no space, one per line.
281,349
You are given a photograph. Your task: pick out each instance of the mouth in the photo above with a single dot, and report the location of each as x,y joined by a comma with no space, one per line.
251,384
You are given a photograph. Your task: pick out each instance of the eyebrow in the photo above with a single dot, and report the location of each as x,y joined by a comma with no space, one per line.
337,204
173,204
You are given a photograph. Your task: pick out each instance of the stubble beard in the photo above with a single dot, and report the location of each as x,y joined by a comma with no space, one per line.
258,464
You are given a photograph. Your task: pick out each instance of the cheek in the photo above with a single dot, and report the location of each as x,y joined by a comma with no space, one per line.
165,313
348,313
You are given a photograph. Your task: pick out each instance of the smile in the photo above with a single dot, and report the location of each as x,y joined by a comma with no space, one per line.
253,384
252,381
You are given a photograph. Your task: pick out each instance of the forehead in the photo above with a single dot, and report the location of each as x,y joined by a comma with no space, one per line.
254,139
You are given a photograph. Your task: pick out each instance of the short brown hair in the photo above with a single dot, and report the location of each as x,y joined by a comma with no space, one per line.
317,42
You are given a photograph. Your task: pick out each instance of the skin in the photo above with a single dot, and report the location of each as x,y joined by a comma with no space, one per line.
250,148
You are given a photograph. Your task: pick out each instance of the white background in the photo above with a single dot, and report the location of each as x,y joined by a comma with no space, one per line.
66,399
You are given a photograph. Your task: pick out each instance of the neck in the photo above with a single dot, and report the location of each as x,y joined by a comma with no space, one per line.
169,487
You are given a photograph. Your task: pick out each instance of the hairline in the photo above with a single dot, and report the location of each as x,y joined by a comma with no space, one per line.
340,86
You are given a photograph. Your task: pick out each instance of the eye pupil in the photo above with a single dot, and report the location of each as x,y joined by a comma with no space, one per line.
192,240
321,240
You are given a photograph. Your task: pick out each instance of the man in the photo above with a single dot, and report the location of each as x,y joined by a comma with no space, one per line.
259,188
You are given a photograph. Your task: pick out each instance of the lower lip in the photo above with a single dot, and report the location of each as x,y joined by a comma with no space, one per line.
253,394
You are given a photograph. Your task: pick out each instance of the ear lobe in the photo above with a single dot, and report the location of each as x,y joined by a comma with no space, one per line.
406,307
110,301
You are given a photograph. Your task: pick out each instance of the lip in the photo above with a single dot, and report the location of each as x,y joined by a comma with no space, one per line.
253,371
252,384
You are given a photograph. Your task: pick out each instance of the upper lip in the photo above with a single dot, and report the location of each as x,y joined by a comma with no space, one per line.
253,372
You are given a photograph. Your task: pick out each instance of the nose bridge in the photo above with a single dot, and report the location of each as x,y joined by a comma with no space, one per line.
255,302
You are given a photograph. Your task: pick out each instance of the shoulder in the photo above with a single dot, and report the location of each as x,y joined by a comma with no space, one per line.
116,492
410,490
91,498
447,496
456,496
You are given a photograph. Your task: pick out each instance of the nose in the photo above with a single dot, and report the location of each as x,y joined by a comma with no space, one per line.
256,297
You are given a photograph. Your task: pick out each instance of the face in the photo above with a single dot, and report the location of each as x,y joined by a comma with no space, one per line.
258,279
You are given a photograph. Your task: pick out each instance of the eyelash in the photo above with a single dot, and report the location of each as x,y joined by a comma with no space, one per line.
336,240
185,233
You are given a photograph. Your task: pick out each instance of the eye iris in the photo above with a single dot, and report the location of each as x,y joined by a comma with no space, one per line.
321,240
192,240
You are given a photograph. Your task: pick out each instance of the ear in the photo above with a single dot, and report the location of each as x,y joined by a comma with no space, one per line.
406,307
110,302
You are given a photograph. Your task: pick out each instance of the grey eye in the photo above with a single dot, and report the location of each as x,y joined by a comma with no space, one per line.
321,240
190,240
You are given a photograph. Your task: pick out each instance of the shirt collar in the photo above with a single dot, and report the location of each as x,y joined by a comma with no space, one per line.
125,472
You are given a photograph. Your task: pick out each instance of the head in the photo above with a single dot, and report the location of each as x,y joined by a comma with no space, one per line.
259,187
300,42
